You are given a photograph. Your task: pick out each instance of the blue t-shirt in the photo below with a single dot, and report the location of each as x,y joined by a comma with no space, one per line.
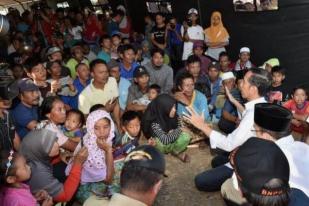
79,87
104,56
172,36
127,74
23,115
199,105
123,86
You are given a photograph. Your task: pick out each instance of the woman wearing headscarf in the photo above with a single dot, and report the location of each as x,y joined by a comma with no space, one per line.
39,147
216,36
98,170
162,126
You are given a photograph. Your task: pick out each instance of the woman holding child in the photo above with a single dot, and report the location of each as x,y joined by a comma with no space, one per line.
161,125
39,147
98,172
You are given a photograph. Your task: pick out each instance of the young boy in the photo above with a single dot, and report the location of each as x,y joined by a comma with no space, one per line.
77,57
131,124
106,46
244,60
127,65
278,93
116,41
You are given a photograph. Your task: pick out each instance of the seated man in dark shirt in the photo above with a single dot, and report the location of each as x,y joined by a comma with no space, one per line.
25,114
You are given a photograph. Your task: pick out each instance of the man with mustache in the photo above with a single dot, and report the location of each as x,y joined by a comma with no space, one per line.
25,114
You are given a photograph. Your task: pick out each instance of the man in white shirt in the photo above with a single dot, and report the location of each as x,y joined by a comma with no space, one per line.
253,88
272,122
191,32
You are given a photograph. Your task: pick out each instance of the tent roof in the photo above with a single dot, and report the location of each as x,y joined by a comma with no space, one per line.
8,3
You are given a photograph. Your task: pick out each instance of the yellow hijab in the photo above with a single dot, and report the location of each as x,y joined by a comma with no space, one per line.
216,33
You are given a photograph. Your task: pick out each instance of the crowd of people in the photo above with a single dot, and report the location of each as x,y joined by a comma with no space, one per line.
96,106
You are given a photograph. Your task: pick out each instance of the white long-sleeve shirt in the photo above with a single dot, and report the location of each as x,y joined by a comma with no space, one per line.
244,131
297,154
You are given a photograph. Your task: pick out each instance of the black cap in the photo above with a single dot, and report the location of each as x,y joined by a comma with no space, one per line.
27,84
257,162
139,71
272,117
215,65
148,157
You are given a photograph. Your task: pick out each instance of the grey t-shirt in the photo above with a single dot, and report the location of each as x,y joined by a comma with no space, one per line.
134,93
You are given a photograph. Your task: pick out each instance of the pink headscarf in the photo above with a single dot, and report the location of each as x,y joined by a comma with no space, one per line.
94,169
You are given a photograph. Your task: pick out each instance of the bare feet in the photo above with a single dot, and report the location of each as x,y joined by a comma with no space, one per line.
184,157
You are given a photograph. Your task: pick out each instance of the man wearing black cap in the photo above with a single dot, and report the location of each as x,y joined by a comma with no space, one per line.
138,89
272,122
262,179
140,180
26,112
9,139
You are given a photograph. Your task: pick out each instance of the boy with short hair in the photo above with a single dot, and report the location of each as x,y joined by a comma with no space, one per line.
224,61
106,46
127,65
131,124
278,92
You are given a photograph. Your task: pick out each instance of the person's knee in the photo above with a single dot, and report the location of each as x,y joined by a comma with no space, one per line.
204,182
200,182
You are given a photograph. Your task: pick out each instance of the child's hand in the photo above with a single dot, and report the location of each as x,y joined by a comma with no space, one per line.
41,195
48,202
102,144
152,142
81,156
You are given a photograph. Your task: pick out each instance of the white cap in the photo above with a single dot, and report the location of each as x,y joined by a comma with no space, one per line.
227,75
244,49
192,11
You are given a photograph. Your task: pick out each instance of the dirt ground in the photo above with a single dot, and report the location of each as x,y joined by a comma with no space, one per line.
178,188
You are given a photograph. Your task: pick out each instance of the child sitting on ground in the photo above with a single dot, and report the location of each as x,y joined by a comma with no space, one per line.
153,91
98,170
13,172
131,124
73,125
299,106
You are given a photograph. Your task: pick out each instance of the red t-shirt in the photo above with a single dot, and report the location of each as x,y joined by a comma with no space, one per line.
304,110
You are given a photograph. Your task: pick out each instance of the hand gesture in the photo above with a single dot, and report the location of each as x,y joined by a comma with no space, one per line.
229,95
55,86
195,119
180,97
81,156
102,144
109,106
